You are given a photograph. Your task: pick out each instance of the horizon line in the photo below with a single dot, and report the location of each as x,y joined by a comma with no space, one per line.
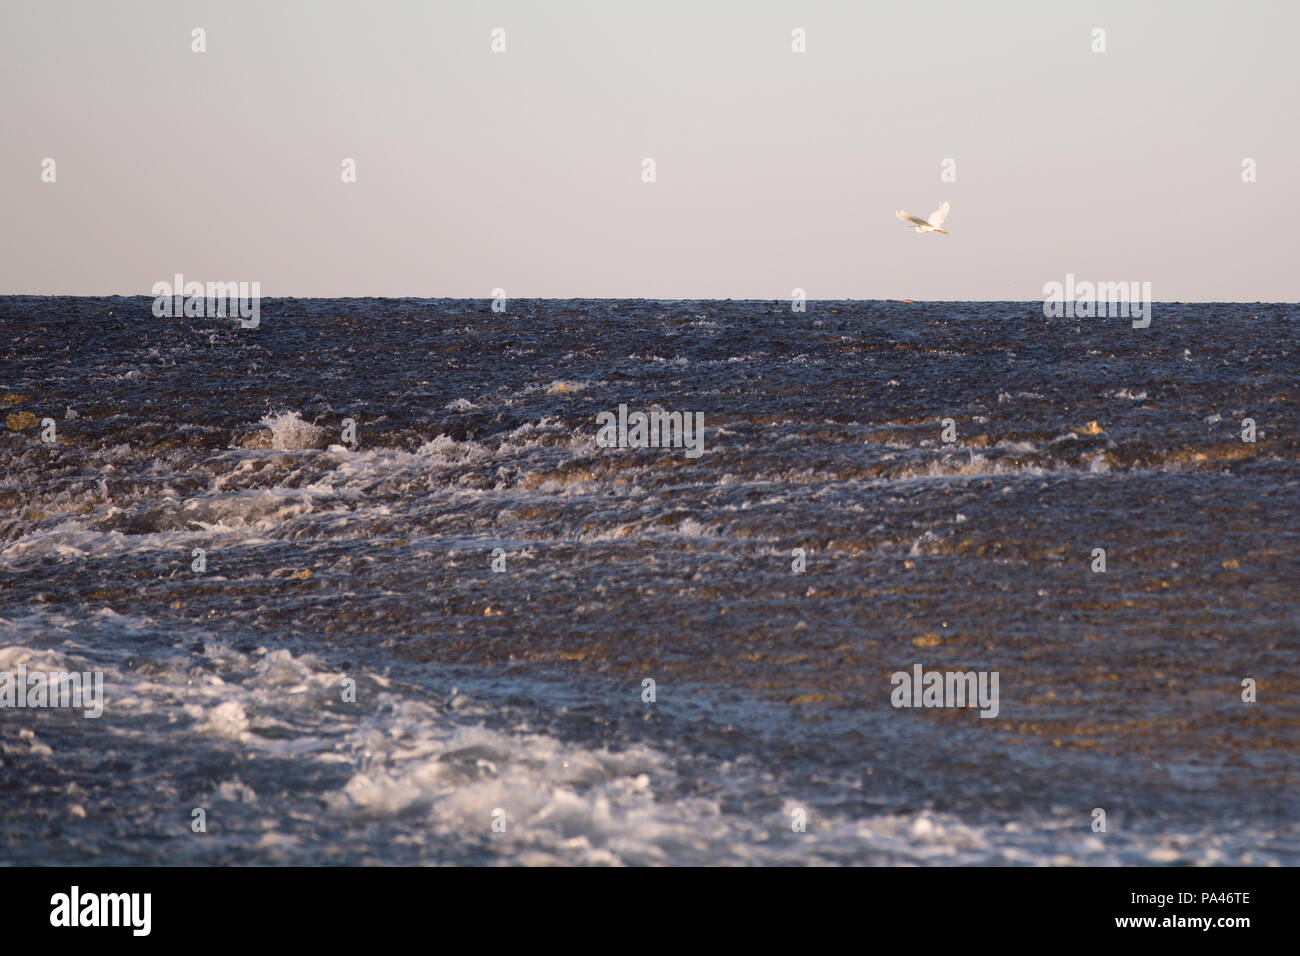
589,298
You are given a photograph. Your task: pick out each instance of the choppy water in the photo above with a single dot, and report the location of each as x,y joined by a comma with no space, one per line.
522,690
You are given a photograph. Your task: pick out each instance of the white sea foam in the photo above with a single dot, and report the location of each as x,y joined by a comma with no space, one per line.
289,432
434,769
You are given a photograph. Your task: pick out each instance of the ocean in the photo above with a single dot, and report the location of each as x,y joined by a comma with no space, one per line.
410,581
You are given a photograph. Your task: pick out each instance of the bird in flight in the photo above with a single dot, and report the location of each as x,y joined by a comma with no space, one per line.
923,225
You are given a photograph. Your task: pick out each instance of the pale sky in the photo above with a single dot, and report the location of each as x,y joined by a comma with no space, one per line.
523,170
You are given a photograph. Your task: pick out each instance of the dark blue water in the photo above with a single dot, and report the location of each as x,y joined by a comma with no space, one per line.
517,694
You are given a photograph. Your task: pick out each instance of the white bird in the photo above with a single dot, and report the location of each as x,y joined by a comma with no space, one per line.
923,225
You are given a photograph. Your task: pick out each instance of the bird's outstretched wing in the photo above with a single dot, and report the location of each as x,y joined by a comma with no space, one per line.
908,217
939,215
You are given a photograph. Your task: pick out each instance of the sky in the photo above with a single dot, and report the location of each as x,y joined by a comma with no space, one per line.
773,169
